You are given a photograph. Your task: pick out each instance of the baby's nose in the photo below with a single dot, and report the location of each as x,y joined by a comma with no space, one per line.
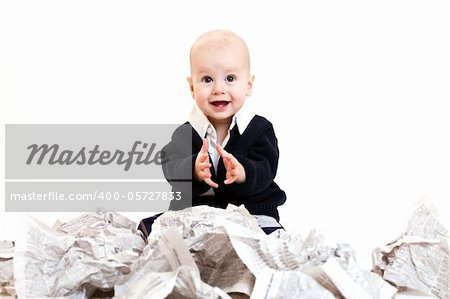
219,87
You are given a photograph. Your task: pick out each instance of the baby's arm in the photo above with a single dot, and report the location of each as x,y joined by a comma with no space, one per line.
235,170
179,161
260,161
202,166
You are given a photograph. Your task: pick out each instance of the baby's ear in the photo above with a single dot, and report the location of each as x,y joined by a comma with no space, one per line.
250,81
191,86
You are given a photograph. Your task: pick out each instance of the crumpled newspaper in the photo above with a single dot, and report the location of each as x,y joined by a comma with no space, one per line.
196,221
87,254
418,260
341,274
166,269
331,271
210,246
7,268
226,242
204,252
207,261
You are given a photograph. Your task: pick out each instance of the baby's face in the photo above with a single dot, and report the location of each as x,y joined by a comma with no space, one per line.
220,80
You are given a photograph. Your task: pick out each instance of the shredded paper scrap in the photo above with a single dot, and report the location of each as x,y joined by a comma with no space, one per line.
418,260
204,252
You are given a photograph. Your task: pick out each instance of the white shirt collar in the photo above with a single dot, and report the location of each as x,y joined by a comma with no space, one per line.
200,122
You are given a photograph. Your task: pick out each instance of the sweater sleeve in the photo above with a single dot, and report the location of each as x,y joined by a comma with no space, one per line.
180,160
260,164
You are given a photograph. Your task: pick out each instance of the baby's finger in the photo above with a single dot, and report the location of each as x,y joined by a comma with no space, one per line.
211,183
233,162
226,156
233,172
232,179
231,165
223,153
202,157
206,175
226,163
204,148
205,155
204,165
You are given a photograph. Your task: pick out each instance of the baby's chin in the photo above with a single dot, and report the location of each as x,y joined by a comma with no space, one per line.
220,118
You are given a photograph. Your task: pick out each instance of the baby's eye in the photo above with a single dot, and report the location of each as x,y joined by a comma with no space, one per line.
207,79
231,78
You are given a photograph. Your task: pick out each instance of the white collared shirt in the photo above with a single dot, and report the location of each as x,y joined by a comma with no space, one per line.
205,129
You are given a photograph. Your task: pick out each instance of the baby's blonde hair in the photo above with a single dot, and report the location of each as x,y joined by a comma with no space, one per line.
219,39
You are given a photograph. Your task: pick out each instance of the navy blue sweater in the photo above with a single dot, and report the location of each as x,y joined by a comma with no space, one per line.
256,149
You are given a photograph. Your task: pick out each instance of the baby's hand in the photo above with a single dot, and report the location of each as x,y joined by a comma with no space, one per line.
202,166
235,170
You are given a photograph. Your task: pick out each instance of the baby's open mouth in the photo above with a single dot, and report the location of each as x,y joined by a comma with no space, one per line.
220,103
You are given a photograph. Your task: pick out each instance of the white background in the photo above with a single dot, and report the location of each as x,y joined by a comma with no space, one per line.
358,92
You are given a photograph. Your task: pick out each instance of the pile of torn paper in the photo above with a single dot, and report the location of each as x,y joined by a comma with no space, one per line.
241,259
205,252
6,268
76,259
418,260
201,252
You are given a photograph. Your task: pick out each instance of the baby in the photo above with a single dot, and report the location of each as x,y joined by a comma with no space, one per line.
232,156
